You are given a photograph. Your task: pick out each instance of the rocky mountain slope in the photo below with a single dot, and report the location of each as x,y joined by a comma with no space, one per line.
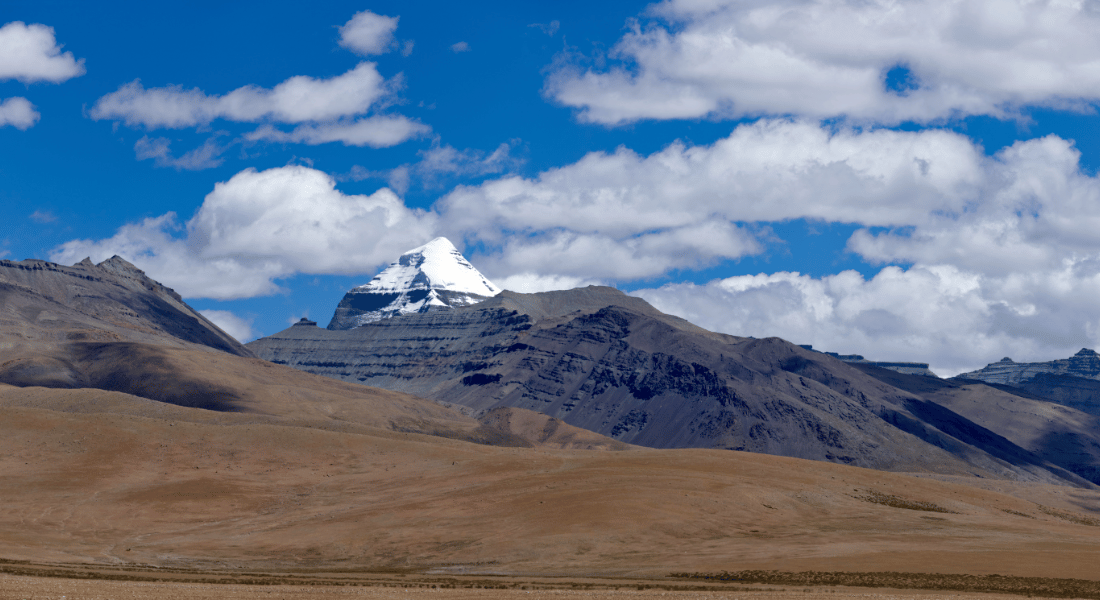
108,327
598,359
432,277
1066,436
58,322
43,301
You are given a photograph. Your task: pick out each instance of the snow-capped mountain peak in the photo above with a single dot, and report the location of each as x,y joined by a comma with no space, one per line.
437,265
434,276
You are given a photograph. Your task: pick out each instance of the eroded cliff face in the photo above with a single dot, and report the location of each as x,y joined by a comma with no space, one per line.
612,364
1072,382
1085,364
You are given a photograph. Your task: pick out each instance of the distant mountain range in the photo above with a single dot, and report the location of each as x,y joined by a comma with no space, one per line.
107,327
598,359
908,368
607,364
1073,381
1085,364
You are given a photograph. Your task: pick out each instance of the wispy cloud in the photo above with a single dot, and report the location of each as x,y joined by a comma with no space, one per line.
296,100
380,131
441,164
548,28
206,156
42,217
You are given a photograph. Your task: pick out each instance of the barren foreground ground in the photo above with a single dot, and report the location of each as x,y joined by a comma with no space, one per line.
42,588
101,480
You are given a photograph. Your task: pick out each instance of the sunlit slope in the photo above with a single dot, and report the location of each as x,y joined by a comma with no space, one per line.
191,487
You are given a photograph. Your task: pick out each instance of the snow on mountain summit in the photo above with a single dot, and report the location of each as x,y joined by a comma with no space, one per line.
434,276
437,265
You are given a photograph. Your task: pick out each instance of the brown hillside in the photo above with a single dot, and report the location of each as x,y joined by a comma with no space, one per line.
148,483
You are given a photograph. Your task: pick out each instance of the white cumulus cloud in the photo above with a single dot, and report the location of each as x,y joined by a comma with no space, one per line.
368,33
826,58
261,226
567,255
19,113
999,252
1035,210
30,53
956,320
679,208
239,328
530,283
346,108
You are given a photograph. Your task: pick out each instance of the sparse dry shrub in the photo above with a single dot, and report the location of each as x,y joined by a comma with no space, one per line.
1024,586
1072,518
876,497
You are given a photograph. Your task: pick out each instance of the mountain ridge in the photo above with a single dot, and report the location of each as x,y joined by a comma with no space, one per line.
1073,382
1084,364
601,360
109,328
113,297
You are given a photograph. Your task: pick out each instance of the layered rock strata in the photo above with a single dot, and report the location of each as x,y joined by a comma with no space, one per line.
1085,364
603,361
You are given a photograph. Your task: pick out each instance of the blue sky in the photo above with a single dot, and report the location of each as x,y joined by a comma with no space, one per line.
908,181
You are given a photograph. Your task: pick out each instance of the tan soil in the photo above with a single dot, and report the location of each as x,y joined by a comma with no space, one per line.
41,588
121,489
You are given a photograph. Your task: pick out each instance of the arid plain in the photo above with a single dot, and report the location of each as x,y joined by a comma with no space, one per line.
104,478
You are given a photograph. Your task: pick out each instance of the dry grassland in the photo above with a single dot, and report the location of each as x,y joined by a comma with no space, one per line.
140,488
39,588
